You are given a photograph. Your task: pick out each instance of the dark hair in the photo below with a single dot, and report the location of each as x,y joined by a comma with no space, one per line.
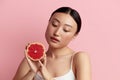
74,14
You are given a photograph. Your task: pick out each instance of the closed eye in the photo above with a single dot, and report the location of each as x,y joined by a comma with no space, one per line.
55,25
65,30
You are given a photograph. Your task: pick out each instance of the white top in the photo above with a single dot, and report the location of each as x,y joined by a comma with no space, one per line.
68,76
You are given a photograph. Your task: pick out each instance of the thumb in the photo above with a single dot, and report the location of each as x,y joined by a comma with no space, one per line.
41,64
28,60
44,59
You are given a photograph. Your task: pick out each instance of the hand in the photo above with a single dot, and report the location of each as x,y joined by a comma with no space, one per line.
43,70
32,64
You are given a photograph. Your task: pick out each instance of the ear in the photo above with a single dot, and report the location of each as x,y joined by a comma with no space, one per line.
74,36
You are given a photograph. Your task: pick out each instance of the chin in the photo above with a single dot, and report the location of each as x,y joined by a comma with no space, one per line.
56,46
53,45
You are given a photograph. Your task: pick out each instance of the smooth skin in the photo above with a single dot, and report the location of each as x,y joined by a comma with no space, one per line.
58,58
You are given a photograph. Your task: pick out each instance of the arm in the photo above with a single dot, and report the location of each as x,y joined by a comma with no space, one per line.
82,66
24,72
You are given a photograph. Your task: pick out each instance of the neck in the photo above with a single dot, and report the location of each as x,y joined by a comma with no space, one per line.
57,52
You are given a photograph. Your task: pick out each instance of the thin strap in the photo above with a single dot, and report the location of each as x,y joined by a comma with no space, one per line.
72,60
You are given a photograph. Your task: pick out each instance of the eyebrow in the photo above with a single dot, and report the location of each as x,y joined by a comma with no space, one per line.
59,22
68,25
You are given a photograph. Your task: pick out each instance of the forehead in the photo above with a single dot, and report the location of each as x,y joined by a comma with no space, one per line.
64,18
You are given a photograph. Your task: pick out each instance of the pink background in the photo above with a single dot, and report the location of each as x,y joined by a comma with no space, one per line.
23,21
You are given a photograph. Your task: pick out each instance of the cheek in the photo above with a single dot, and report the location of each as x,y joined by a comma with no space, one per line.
67,38
47,33
49,30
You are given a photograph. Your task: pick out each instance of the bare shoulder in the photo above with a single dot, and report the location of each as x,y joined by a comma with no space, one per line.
81,55
82,65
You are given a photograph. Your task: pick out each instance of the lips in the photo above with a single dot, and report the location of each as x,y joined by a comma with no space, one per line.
54,39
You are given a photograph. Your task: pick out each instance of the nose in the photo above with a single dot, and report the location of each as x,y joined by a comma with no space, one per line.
57,32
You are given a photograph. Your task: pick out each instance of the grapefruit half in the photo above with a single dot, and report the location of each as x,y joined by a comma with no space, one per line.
35,51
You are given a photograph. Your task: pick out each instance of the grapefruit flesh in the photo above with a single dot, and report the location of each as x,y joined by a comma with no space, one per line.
35,51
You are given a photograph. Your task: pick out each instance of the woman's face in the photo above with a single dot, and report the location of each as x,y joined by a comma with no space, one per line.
61,30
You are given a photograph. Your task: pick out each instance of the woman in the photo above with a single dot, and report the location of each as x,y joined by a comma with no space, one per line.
60,62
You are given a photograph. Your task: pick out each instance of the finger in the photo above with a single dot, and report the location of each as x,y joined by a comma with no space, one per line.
41,64
45,60
28,60
26,56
